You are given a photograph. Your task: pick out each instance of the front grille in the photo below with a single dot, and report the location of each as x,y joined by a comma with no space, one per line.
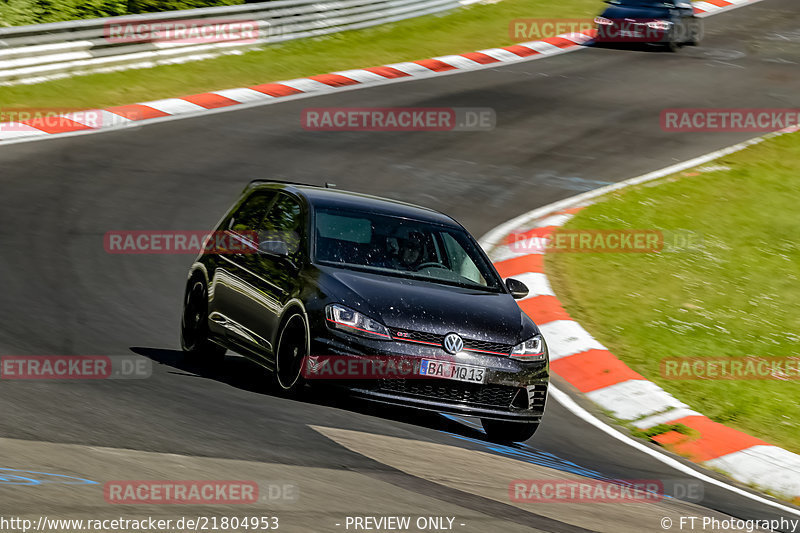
484,346
469,344
407,335
470,394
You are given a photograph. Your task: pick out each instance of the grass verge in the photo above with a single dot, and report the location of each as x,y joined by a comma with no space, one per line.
736,294
463,30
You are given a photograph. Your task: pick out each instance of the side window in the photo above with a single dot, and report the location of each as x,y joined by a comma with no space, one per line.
284,222
460,262
251,213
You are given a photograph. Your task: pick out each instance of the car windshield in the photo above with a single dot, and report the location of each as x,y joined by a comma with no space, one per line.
401,247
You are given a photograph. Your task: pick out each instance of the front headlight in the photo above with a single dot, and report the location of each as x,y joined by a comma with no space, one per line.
663,25
603,21
533,349
353,322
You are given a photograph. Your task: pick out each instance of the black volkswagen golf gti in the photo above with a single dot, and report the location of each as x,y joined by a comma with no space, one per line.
321,272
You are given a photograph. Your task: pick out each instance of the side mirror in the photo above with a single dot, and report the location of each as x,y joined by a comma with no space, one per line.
275,248
516,288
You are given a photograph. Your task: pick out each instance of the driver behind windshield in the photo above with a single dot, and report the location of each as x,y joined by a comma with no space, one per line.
406,253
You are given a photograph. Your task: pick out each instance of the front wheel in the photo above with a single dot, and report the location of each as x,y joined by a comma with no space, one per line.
194,326
290,355
501,431
694,37
672,46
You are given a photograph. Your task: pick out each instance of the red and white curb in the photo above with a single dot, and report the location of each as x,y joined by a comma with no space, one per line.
117,117
712,7
587,365
134,114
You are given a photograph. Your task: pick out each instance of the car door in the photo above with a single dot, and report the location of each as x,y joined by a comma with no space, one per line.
234,288
276,273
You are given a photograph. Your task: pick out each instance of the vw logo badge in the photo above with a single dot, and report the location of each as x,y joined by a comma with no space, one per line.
453,343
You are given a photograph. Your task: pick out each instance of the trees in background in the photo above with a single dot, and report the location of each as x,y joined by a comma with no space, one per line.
19,12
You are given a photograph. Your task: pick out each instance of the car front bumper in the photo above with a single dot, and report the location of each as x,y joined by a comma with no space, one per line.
512,391
623,32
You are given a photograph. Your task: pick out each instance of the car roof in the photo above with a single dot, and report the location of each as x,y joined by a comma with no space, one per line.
336,198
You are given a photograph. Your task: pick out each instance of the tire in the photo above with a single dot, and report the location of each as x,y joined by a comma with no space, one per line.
672,46
291,350
500,431
694,39
194,326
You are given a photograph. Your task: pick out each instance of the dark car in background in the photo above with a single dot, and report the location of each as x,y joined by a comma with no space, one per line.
324,272
671,24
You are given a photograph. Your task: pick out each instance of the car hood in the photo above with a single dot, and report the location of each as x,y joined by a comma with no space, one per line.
430,307
636,12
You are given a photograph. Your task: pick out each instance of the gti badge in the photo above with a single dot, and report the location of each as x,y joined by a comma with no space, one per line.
453,343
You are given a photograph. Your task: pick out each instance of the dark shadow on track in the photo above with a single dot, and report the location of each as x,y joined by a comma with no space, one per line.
244,374
633,47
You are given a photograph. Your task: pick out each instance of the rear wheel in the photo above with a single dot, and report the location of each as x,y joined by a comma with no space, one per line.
290,354
194,326
501,431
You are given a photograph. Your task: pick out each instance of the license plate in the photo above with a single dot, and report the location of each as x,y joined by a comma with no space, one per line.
455,371
631,33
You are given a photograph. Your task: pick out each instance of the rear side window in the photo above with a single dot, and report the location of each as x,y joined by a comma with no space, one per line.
252,212
284,215
284,222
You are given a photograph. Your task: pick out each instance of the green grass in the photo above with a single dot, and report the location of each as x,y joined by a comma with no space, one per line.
462,30
660,429
735,295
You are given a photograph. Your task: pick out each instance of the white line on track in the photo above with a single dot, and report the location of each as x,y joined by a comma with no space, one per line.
495,236
580,412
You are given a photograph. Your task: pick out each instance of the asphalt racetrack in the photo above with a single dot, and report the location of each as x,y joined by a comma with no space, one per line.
565,125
